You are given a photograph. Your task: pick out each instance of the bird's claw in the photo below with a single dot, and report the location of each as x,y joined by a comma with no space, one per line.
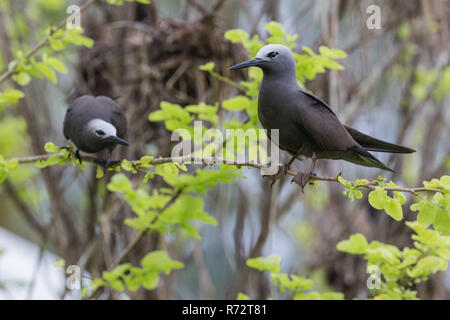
78,156
105,164
302,179
111,163
101,162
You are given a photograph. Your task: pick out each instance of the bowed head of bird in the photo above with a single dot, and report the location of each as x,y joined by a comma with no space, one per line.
95,124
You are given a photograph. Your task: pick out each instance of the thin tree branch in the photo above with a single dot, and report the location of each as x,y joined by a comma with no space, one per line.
189,159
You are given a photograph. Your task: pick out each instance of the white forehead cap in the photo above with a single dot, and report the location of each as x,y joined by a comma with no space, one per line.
264,51
99,124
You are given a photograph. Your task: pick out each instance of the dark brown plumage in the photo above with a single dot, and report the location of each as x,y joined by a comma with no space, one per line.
307,126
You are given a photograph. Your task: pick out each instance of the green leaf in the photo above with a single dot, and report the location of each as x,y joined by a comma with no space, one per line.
236,103
377,198
342,180
428,265
150,280
272,263
59,263
242,296
394,209
236,35
22,78
427,214
275,29
57,44
46,71
56,64
207,66
127,166
167,171
98,283
99,173
442,222
51,147
356,244
117,285
332,53
79,40
292,283
185,209
358,194
444,253
12,95
159,261
119,183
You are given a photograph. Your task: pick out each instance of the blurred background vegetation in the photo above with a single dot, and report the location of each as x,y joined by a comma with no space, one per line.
395,87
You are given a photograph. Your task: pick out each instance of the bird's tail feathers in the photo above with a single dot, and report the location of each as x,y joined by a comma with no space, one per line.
372,144
367,159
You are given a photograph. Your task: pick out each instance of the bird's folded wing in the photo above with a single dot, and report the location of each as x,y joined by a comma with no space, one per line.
373,144
321,123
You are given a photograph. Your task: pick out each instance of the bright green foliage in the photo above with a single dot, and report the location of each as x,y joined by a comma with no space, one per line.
127,276
10,96
297,287
60,263
61,156
6,167
378,198
185,209
203,180
174,117
271,263
25,67
435,210
155,212
242,296
352,191
357,244
400,269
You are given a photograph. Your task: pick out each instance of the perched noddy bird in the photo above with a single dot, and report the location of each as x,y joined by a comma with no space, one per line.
307,125
94,124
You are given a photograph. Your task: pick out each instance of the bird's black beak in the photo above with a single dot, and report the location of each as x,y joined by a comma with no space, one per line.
250,63
117,140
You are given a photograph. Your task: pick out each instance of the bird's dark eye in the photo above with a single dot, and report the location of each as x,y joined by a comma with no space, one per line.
273,55
100,133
